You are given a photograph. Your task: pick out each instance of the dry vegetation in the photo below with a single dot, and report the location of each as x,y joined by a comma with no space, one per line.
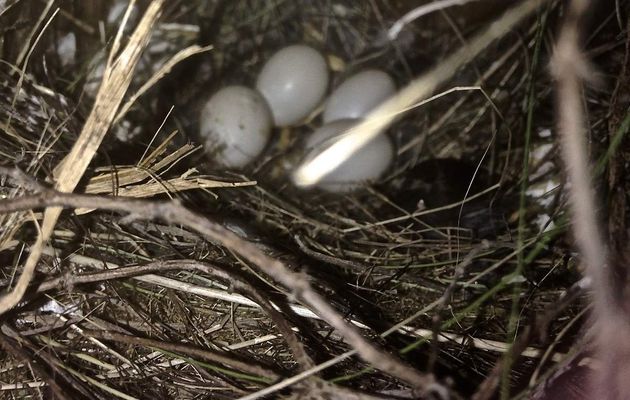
134,268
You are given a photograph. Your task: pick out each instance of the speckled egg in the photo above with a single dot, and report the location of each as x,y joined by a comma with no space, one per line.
236,126
358,95
365,166
294,82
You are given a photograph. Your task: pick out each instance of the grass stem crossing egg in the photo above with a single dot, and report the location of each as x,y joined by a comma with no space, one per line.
236,125
364,166
294,82
358,95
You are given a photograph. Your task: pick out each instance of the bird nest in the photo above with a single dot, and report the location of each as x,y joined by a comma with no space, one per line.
167,276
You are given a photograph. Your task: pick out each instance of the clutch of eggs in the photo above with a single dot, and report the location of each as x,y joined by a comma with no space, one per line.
364,166
236,122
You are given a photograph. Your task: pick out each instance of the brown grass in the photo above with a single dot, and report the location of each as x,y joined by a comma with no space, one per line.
211,283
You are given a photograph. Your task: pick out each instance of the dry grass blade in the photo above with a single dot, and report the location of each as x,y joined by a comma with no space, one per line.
418,12
22,56
165,69
179,184
126,181
116,80
570,69
220,358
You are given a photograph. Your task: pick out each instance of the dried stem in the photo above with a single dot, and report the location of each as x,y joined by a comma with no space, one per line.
222,359
570,68
174,213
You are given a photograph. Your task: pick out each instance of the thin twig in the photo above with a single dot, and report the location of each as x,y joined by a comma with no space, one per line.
174,213
353,265
445,299
397,27
222,359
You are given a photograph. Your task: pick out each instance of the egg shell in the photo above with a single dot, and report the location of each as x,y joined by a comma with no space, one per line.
67,49
358,95
236,125
364,166
294,82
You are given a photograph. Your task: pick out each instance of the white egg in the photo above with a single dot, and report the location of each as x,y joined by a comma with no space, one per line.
236,125
67,49
364,166
358,95
294,82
